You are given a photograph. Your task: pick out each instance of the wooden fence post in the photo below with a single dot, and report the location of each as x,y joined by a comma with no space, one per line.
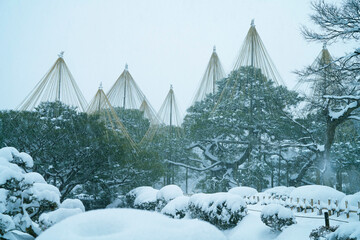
291,205
298,207
258,198
329,208
337,209
346,209
312,205
320,208
304,205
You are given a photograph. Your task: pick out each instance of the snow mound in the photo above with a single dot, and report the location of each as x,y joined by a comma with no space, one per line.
346,231
177,208
114,224
169,192
73,203
243,191
317,193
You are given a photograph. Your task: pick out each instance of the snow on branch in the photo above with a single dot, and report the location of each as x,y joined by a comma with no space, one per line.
345,97
194,168
345,111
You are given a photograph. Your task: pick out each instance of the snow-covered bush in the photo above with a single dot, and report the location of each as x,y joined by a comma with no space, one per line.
280,192
166,194
348,231
277,217
223,210
146,200
47,220
321,232
142,198
316,193
352,202
245,192
133,194
24,196
177,208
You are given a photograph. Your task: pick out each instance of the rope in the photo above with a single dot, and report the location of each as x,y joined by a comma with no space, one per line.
299,216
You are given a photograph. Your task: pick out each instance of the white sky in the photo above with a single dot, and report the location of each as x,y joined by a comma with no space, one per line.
163,41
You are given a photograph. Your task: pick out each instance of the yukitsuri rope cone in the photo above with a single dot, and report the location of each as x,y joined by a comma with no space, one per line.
58,84
214,72
101,105
126,93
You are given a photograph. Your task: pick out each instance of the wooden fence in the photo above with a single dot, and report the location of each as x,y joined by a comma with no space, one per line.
303,205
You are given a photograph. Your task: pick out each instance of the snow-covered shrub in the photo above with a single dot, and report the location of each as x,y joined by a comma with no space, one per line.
177,208
24,195
348,231
321,232
277,217
223,210
316,193
352,202
47,220
68,207
166,194
132,195
245,192
279,192
73,203
142,198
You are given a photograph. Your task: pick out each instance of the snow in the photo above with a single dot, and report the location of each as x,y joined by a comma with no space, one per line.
176,205
210,202
337,115
169,192
6,174
44,191
114,224
27,159
347,231
8,152
6,222
251,228
146,195
3,196
352,200
47,220
17,235
272,209
316,192
243,191
73,203
33,177
280,191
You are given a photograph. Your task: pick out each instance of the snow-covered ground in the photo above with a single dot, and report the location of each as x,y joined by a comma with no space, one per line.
141,225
